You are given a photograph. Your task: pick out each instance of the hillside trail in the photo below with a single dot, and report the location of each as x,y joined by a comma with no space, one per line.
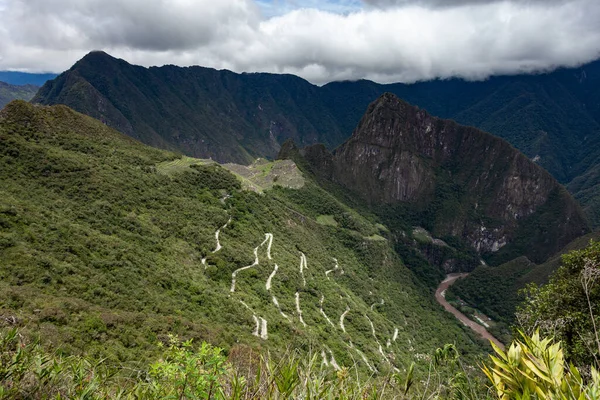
335,268
261,324
379,347
303,265
323,312
440,296
363,356
218,246
299,310
268,238
270,278
260,329
273,298
342,317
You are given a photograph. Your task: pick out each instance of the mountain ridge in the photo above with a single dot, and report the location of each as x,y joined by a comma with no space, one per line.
200,111
554,118
401,155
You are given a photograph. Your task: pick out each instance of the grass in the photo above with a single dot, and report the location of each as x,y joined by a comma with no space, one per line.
328,220
376,238
422,236
187,371
179,165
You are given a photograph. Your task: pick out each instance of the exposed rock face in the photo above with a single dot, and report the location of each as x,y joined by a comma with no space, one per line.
472,184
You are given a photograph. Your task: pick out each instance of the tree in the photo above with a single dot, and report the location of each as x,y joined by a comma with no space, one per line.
567,307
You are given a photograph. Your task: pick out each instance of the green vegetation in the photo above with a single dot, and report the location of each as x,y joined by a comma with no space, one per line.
422,236
185,371
532,368
553,118
102,255
421,172
568,306
376,238
180,165
200,112
327,220
108,247
535,369
496,290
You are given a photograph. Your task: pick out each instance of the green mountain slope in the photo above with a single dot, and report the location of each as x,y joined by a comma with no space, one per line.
199,111
496,290
107,245
10,92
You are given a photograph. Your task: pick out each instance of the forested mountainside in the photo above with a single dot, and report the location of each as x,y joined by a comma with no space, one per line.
497,291
553,118
108,245
199,111
10,92
451,179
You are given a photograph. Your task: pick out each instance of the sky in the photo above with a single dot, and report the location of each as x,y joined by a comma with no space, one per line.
321,41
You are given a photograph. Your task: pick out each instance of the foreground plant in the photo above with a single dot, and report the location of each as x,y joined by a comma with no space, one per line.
28,372
186,371
535,368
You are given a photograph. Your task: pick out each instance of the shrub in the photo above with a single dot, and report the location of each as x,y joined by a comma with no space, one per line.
535,368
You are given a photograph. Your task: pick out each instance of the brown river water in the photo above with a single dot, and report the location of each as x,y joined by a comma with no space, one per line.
439,296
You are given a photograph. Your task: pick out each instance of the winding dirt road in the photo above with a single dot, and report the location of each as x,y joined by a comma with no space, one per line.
440,297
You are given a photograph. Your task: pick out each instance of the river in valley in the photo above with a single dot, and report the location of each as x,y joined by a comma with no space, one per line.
440,297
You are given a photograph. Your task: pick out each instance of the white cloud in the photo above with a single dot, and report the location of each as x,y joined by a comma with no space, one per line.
279,7
405,43
450,3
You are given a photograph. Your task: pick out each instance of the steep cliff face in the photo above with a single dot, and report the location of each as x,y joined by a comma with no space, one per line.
467,183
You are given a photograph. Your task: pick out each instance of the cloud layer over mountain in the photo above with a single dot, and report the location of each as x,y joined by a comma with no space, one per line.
383,40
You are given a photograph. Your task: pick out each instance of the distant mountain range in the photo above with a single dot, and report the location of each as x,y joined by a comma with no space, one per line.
25,78
10,92
553,118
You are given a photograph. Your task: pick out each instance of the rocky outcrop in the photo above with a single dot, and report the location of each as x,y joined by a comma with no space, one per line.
465,182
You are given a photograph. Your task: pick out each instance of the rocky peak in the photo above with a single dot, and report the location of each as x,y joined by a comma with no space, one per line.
465,182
